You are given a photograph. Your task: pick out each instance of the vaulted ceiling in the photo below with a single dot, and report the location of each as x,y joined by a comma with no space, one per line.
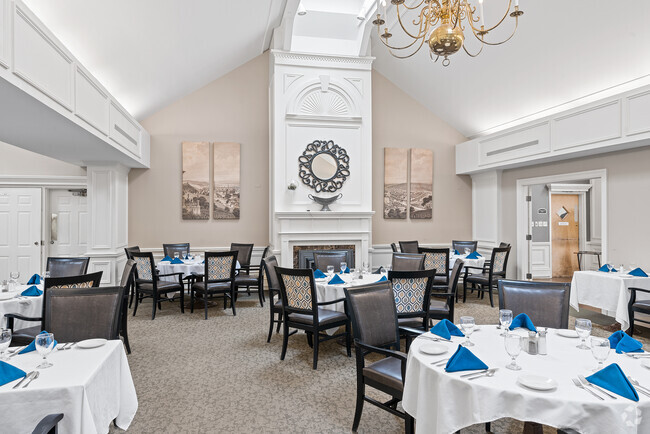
149,53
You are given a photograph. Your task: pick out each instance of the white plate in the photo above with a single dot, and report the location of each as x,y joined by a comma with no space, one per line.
433,349
537,382
91,343
565,333
646,364
7,295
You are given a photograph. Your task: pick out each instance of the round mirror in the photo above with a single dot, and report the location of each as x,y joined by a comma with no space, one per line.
324,166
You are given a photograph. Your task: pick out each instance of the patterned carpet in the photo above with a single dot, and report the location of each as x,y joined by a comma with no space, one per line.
220,375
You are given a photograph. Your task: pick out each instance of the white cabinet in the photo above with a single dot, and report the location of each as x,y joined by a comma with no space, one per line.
91,103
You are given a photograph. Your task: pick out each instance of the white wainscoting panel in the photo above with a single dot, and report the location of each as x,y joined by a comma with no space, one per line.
638,107
541,259
595,124
91,103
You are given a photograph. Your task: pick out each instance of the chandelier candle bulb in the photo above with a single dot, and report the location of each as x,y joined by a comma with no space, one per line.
480,5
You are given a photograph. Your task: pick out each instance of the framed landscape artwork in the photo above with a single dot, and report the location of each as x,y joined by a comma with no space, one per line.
395,183
196,180
421,184
226,181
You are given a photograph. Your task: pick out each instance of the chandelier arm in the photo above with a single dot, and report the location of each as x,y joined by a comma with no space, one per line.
414,6
497,24
407,56
421,33
391,47
483,41
473,55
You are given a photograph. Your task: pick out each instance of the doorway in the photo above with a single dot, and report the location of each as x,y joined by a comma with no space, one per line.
68,223
565,234
20,231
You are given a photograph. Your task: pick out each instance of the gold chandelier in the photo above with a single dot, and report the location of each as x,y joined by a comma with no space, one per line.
440,24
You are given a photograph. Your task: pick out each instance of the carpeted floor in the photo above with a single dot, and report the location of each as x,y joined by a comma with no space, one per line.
220,375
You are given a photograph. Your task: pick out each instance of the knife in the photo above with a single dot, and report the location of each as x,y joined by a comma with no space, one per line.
586,382
17,351
34,377
489,372
23,379
481,371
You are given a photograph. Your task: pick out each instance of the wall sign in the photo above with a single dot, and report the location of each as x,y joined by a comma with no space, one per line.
542,211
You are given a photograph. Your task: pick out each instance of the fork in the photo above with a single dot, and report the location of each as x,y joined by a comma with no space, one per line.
70,345
440,362
581,386
434,338
34,377
586,382
640,388
16,351
637,355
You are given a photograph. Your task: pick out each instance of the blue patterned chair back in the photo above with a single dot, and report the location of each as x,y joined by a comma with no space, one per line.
436,261
143,266
298,291
500,260
219,267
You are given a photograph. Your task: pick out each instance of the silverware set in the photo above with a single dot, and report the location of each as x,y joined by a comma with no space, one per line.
16,351
639,387
31,376
434,338
637,355
440,362
583,383
586,382
483,373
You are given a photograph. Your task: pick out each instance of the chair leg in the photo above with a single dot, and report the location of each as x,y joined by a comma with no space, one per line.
285,340
490,293
131,297
316,340
279,322
268,339
153,306
191,301
310,341
361,390
123,331
232,302
135,309
488,426
348,339
464,291
630,331
260,294
205,303
409,424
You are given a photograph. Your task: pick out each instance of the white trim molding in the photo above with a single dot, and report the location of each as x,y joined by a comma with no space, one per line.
43,181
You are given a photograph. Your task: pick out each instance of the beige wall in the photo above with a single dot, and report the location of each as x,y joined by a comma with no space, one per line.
233,108
628,184
398,121
18,161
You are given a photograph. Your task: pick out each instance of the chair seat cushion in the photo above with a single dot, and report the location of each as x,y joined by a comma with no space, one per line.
415,323
25,336
212,287
244,280
386,371
480,278
441,280
439,306
324,317
642,305
163,286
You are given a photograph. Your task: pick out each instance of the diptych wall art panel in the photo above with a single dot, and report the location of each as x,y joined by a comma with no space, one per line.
226,177
421,184
395,183
196,181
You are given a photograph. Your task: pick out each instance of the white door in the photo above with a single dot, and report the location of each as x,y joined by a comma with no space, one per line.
20,232
68,224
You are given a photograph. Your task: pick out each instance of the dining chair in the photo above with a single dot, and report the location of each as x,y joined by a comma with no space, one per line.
129,250
441,305
323,259
275,305
483,281
546,303
64,267
251,276
407,262
148,283
486,264
171,249
77,314
302,311
49,424
393,247
218,278
127,288
460,246
376,332
640,306
26,335
409,247
412,291
437,259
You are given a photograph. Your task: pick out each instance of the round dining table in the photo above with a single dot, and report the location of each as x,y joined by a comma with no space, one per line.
188,267
29,306
475,263
444,402
328,292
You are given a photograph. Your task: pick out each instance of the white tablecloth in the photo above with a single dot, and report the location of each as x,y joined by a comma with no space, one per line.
445,403
608,291
467,262
187,268
91,387
328,292
26,306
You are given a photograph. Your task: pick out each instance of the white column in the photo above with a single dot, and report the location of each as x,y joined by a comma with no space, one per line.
486,208
107,219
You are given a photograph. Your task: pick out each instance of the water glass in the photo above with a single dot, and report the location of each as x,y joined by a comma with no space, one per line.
330,270
4,286
600,350
14,275
344,266
467,324
44,345
365,267
467,251
609,267
183,254
513,348
5,340
505,318
583,328
175,255
353,273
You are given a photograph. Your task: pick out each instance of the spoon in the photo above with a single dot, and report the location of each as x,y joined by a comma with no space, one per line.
488,373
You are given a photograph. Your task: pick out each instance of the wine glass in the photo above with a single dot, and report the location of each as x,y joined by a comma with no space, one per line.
183,254
344,266
5,340
505,318
467,324
384,272
353,273
609,267
467,251
44,345
621,268
600,350
14,275
330,270
513,348
175,255
583,328
365,267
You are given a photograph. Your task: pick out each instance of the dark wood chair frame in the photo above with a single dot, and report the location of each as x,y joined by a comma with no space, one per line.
423,313
409,246
493,278
315,331
450,295
394,248
170,249
389,349
227,292
85,260
631,309
443,274
128,251
272,293
458,245
49,424
155,292
254,271
127,285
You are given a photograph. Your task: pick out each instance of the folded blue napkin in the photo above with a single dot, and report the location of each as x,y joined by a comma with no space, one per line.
166,259
464,360
32,291
9,373
456,252
605,269
383,279
445,329
614,379
523,320
347,270
186,257
177,261
34,280
624,343
319,274
32,346
336,280
638,273
473,255
378,270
